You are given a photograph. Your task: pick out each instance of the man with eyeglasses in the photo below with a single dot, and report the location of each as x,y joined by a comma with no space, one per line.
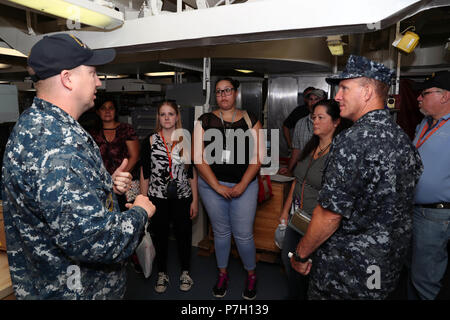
431,231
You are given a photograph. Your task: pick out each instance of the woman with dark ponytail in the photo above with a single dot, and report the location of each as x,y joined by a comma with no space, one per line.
304,191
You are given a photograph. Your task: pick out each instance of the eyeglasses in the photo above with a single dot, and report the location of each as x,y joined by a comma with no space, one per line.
423,94
226,91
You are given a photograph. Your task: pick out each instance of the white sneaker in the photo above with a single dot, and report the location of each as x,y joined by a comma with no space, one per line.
186,281
162,282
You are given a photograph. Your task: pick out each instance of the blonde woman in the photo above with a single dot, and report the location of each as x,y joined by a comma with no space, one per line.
171,183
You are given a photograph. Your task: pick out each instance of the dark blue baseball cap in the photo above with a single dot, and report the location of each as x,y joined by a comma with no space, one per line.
439,79
52,54
358,67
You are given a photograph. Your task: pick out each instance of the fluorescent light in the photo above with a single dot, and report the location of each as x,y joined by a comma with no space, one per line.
160,74
4,66
83,11
112,76
244,71
11,52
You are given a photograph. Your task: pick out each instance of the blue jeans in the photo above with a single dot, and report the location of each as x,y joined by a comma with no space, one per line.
431,234
232,217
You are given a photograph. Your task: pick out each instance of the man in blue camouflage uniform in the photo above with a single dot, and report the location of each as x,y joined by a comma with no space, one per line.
361,227
66,238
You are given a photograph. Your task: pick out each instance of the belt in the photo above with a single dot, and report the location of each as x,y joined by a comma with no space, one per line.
439,205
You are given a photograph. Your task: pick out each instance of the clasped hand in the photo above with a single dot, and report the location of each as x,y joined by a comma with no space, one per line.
228,193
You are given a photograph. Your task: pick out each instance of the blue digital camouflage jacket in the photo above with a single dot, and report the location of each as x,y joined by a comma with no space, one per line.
66,237
369,179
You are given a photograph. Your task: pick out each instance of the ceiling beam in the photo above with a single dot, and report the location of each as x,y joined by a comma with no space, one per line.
245,22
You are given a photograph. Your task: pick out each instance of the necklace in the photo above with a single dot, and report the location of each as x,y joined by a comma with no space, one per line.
111,128
321,151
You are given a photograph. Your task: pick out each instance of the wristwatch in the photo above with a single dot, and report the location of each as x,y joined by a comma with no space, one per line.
300,259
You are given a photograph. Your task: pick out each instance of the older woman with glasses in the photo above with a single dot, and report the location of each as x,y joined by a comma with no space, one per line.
227,182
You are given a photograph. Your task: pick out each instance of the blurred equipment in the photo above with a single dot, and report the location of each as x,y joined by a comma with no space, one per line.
335,45
407,41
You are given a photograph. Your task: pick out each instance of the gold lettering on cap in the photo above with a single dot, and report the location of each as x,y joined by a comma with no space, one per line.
78,41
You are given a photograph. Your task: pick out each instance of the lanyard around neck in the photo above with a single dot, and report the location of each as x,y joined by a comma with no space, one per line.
424,137
169,154
223,124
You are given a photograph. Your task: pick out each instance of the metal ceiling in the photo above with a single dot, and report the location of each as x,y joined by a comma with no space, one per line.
268,36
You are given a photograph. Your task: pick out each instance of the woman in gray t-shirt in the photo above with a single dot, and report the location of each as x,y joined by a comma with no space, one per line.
304,191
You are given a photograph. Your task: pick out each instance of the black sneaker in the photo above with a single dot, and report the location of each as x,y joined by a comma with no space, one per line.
250,288
220,289
186,281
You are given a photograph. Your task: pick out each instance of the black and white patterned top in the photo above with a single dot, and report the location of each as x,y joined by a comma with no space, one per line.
160,172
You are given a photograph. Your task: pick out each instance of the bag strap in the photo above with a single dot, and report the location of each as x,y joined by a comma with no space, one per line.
247,119
304,180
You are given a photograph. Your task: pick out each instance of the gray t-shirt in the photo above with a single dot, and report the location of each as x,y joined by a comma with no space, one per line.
313,182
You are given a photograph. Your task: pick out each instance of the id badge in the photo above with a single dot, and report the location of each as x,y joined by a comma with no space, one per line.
226,155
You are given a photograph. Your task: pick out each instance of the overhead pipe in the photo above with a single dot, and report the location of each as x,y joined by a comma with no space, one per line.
29,27
399,58
181,65
207,81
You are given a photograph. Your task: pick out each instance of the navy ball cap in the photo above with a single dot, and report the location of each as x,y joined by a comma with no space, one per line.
52,54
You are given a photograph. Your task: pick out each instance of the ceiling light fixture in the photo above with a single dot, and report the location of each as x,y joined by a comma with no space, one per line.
160,74
11,52
244,71
335,45
112,76
82,11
